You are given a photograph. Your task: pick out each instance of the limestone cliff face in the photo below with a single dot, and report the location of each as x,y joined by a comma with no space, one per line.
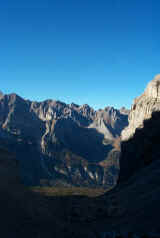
143,107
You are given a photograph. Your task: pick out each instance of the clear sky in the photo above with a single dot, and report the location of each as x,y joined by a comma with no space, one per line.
99,52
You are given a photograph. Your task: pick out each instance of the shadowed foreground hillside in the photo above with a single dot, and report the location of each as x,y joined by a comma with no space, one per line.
142,149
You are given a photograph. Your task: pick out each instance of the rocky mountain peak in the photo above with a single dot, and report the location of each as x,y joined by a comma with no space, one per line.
153,88
73,105
143,107
85,107
124,110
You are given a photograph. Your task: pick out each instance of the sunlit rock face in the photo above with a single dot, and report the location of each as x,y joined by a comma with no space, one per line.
153,88
142,107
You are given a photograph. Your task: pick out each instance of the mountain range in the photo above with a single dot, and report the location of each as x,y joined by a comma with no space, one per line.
130,209
62,144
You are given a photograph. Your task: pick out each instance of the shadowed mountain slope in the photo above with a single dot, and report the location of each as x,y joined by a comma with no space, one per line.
133,205
48,137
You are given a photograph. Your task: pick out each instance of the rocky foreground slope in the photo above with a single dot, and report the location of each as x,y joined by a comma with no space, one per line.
61,144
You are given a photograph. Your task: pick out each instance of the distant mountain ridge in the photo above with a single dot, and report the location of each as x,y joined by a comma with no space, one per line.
61,143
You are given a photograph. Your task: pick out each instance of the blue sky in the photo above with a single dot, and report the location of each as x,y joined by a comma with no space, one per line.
99,52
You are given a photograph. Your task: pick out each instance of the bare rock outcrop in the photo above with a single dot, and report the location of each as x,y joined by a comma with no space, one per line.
143,107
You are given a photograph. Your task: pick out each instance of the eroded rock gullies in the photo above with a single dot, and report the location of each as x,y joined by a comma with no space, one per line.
143,107
62,143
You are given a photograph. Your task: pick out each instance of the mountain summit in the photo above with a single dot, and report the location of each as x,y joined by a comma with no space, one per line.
153,88
143,107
